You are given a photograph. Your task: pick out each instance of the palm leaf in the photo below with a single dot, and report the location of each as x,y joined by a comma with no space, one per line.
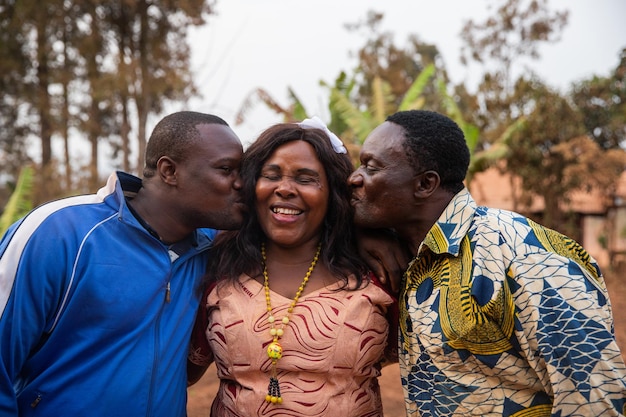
20,201
413,99
359,122
299,111
265,98
380,98
470,131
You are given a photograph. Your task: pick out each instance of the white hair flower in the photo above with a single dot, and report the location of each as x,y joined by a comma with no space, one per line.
316,123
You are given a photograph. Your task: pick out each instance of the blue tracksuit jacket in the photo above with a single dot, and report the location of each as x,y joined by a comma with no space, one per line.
85,326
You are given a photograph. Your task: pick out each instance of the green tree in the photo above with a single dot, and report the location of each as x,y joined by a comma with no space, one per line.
480,158
28,32
158,55
100,68
14,117
602,101
540,150
506,39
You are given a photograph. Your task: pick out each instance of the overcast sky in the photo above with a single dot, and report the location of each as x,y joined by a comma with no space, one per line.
276,44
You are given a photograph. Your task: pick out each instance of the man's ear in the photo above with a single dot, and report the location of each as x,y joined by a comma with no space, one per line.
426,184
166,167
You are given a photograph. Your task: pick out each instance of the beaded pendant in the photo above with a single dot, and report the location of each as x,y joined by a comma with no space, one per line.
274,349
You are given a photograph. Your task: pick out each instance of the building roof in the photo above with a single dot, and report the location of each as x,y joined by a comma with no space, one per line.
494,188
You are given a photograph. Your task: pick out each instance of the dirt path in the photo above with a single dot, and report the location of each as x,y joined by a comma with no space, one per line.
201,394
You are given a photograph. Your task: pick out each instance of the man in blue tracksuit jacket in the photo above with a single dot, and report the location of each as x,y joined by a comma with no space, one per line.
98,293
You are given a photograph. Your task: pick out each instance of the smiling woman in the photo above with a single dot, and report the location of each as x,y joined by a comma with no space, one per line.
295,323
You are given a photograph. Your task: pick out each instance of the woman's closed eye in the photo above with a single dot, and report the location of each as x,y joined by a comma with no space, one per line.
300,179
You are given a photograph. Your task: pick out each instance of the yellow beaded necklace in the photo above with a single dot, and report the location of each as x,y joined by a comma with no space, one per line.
275,350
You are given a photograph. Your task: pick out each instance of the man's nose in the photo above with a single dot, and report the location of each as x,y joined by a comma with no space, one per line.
355,178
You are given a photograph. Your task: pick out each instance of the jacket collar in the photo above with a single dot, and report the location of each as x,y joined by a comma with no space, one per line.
121,186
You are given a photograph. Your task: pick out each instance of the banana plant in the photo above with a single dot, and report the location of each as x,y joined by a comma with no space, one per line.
360,122
295,111
20,201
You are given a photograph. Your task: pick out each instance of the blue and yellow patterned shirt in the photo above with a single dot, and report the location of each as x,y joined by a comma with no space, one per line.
503,317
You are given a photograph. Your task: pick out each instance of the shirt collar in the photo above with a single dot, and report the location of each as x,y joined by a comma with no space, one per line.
447,233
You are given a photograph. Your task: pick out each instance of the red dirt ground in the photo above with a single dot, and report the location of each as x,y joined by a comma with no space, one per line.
201,394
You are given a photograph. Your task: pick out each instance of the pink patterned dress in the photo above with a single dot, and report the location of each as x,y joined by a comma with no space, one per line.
333,348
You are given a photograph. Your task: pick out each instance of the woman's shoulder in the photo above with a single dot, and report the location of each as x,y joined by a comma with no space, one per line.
244,286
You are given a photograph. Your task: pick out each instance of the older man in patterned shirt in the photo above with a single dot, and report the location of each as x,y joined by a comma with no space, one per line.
500,316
